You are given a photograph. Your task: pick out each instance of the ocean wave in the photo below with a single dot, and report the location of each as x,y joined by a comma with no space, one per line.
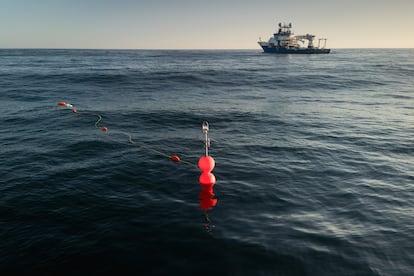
313,162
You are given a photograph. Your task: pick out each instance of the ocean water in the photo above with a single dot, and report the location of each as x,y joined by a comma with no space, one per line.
314,162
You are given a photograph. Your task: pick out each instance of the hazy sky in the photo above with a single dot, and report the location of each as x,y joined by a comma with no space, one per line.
201,24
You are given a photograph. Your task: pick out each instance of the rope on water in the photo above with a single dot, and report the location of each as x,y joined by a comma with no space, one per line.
174,158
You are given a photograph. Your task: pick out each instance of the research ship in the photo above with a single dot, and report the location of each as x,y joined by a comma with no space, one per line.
285,42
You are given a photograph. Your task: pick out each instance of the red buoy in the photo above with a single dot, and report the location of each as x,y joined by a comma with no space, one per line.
61,103
74,110
206,163
104,129
175,158
207,178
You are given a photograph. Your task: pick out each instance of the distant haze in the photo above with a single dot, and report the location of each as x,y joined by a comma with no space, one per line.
196,24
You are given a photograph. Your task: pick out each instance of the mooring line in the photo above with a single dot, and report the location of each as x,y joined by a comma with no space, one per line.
174,158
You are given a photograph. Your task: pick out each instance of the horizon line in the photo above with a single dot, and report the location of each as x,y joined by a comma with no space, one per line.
180,49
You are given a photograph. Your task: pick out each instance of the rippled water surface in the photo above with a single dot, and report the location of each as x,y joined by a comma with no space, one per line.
314,162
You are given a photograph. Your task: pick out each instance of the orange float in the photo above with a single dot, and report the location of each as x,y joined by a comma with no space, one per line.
207,180
175,158
206,163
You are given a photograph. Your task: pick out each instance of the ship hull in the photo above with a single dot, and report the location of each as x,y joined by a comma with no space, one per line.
282,50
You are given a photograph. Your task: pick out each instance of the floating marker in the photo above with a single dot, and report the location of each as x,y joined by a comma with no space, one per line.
74,110
207,180
206,163
175,158
104,129
65,104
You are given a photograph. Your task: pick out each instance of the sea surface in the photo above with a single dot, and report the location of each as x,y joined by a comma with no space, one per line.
314,162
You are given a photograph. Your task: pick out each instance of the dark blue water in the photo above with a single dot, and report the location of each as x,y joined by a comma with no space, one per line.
314,163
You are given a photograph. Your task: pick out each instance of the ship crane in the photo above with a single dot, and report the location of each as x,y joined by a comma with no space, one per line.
307,37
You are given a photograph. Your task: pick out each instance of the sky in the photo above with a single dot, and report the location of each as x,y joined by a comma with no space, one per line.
201,24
